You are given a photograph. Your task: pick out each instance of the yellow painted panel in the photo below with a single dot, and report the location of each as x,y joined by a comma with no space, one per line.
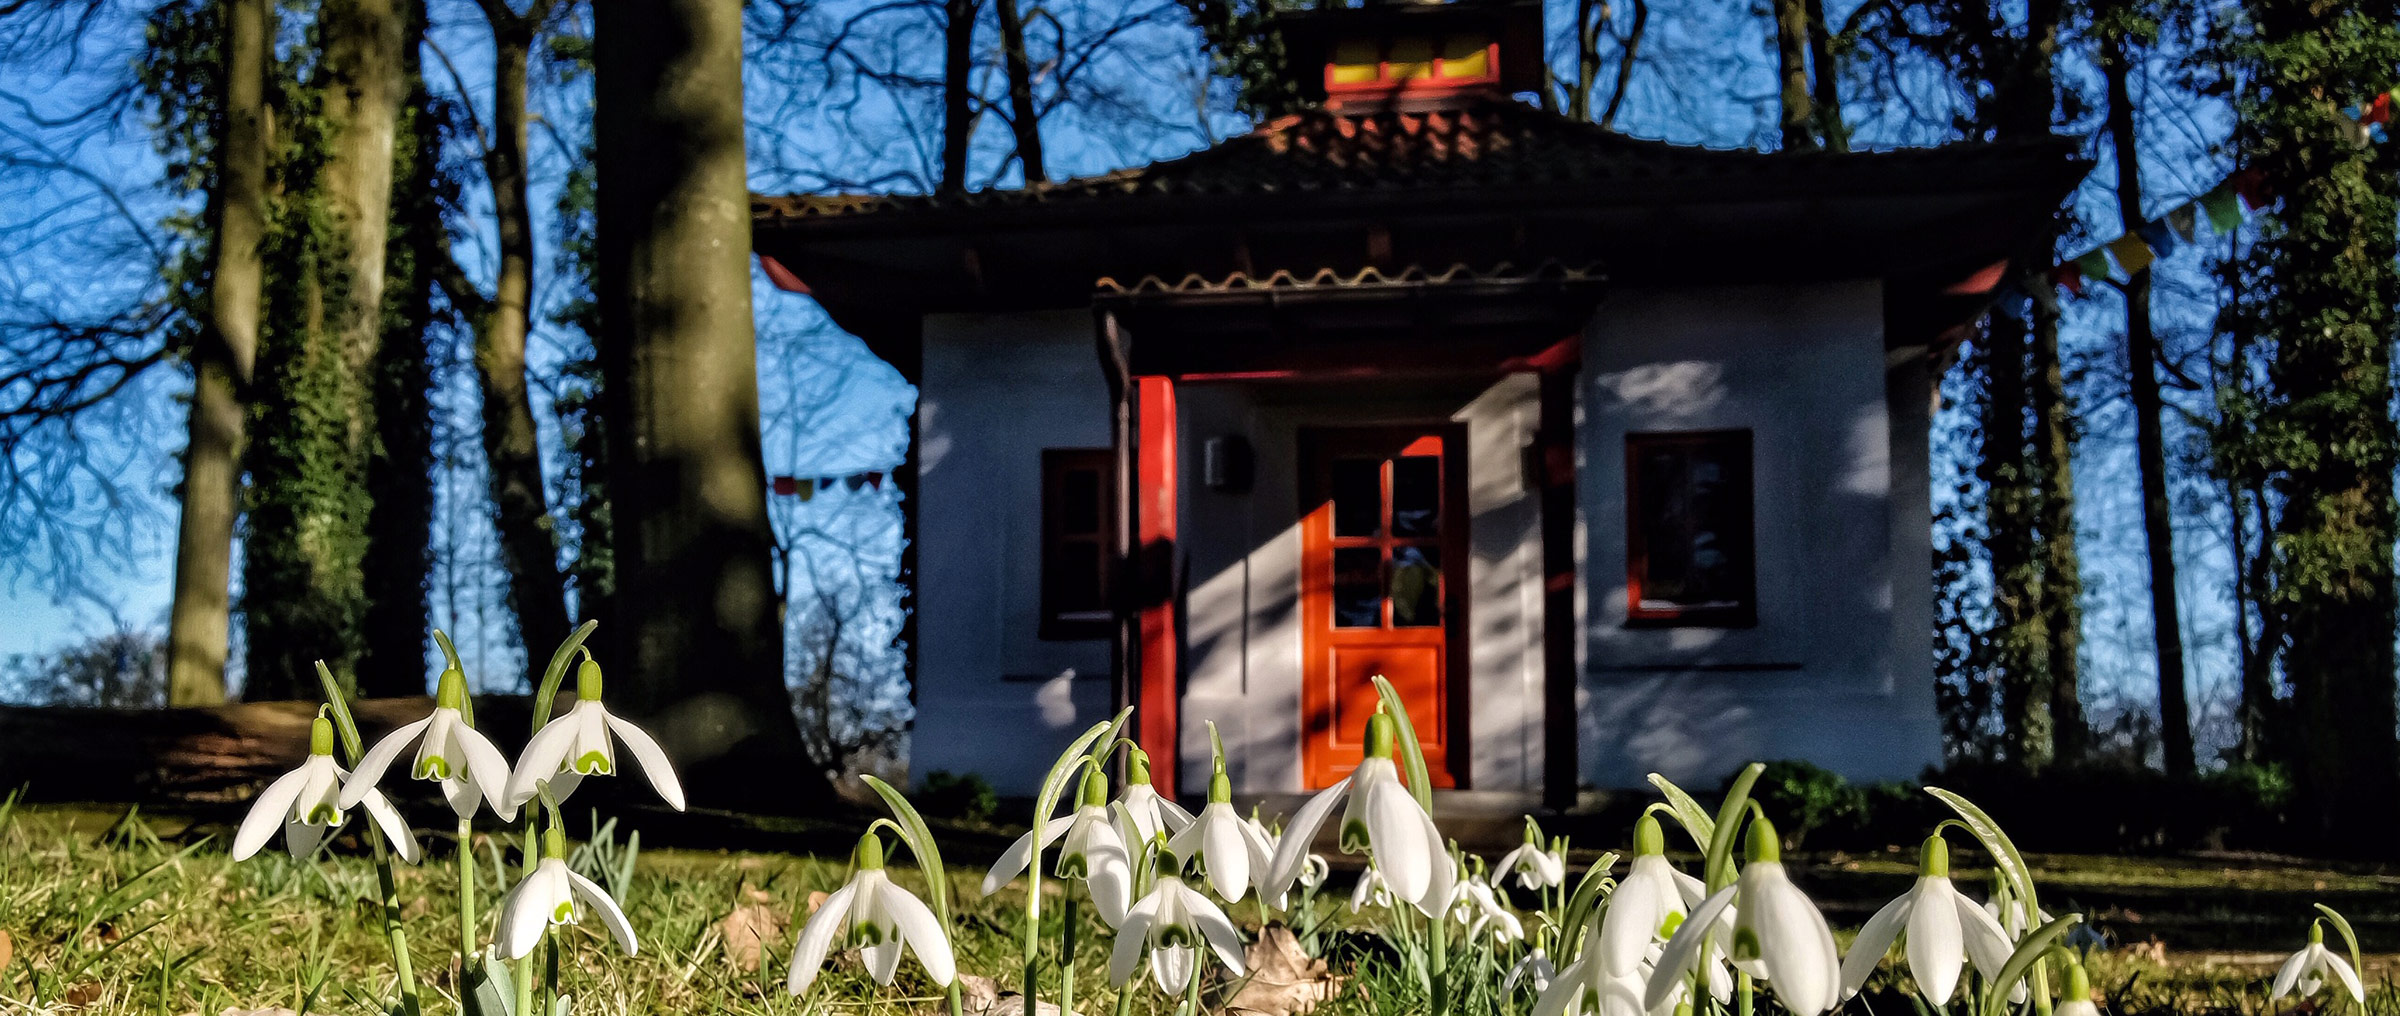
1467,56
1354,62
1409,59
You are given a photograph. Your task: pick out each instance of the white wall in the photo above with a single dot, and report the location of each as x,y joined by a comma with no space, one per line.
1243,549
992,698
1838,669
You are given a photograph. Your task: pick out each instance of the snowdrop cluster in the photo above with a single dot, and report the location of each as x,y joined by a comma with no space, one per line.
1732,934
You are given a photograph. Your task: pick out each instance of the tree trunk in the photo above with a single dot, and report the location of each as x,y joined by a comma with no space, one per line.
2062,579
1023,118
958,111
2018,633
696,602
1827,95
304,592
2141,355
2329,257
397,570
1791,58
511,443
201,617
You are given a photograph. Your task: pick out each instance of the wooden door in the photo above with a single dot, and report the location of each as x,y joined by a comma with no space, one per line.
1382,591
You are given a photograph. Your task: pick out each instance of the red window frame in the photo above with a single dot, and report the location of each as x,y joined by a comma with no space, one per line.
1064,621
1740,610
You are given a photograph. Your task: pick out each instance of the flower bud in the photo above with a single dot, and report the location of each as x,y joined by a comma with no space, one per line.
320,736
1764,846
1380,736
2079,984
1934,860
1095,788
554,842
869,854
587,681
1220,789
451,692
1137,767
1648,838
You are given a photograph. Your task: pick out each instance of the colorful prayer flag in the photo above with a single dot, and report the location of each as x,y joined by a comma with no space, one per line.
2377,111
855,481
808,489
786,486
2069,276
875,480
2184,220
2224,209
2251,184
2132,253
2159,236
2093,264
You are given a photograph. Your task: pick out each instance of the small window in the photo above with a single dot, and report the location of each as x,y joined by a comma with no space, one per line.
1078,542
1691,546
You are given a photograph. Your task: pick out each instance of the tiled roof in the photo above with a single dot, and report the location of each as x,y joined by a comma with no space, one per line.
1495,144
1327,278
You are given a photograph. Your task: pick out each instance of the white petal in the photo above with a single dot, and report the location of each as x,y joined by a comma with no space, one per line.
646,751
1012,861
2288,975
1399,845
1874,939
463,795
2348,977
394,827
918,928
1630,922
379,758
610,916
1227,852
1218,929
1171,968
1936,945
1132,937
1683,950
487,768
816,938
542,759
267,813
301,838
529,910
1109,877
1445,871
882,959
1291,853
1795,946
1171,815
1564,991
1987,944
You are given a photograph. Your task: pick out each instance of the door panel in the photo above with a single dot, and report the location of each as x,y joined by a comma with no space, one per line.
1381,592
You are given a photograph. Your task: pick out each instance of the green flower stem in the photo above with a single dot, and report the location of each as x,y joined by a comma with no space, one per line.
523,981
352,748
1438,962
1066,958
466,899
1125,997
958,1001
1191,993
1744,994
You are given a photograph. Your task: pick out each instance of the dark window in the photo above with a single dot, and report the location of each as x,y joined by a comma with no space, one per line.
1078,541
1691,546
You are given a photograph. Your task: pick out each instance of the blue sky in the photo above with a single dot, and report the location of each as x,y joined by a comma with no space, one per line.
826,115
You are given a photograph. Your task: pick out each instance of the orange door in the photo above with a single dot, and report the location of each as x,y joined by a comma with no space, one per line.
1382,590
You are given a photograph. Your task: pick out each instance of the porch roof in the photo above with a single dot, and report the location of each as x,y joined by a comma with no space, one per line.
1398,189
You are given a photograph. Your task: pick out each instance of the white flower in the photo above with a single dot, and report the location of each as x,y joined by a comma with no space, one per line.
1170,925
549,897
307,804
1582,988
1371,890
1230,851
1144,813
1646,906
1534,970
2075,998
1943,930
580,744
1315,871
1534,867
877,915
1478,907
1093,852
449,752
1384,820
2306,970
1778,935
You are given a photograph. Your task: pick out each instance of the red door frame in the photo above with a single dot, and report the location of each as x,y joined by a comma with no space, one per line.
1328,754
1156,703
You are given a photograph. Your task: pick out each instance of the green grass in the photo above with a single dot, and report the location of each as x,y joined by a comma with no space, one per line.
125,914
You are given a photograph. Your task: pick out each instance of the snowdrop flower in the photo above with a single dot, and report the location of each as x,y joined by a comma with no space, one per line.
449,752
2307,968
1383,820
1170,925
1229,849
581,744
1534,970
307,804
1477,907
1371,891
1583,988
1943,930
549,897
2075,997
1142,812
1535,867
1778,935
1093,852
880,918
1647,906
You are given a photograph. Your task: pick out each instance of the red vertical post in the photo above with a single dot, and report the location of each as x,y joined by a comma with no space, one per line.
1555,439
1155,719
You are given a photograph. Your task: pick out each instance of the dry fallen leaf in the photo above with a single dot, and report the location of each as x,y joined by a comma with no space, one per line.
1284,980
817,899
8,950
977,992
750,928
